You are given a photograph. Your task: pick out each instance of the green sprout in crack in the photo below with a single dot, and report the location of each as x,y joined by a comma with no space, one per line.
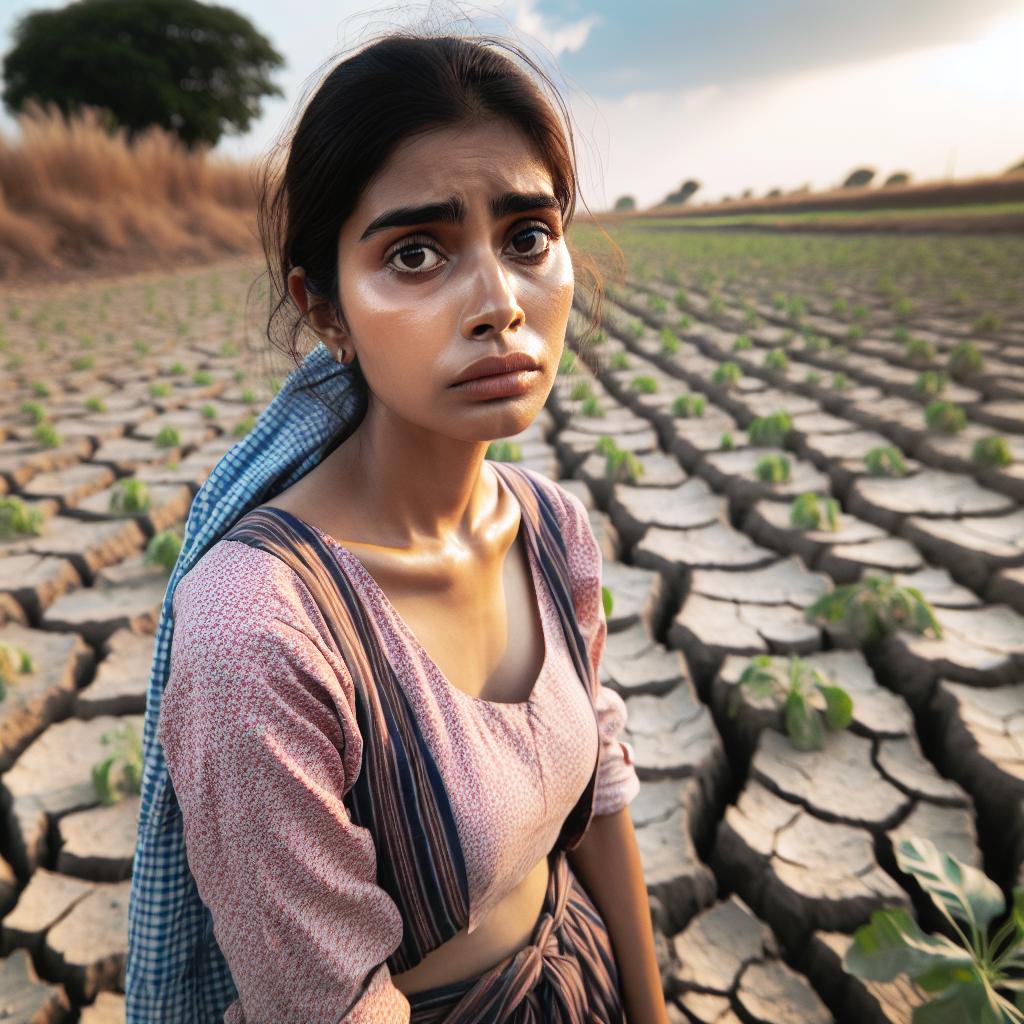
808,700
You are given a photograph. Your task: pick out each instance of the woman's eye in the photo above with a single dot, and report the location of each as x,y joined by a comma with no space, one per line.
524,245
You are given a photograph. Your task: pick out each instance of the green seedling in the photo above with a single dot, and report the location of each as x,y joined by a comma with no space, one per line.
874,607
773,469
977,977
163,550
168,437
770,431
504,451
119,775
885,460
809,701
689,406
808,513
130,496
992,451
945,417
18,519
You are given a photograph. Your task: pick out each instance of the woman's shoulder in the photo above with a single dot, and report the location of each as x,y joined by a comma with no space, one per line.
243,589
569,510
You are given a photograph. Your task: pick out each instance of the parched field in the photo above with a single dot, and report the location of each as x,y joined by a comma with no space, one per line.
762,419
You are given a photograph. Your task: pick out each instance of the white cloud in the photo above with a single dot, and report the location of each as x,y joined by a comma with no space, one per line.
946,110
558,39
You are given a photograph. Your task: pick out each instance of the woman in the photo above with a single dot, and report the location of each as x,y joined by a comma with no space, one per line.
386,784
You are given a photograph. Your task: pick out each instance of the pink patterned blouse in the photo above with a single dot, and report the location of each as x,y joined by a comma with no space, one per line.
259,731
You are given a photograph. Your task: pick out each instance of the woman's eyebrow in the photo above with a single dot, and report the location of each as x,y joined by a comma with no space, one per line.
453,211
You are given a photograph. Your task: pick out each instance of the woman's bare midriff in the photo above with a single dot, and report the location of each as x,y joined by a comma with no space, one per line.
504,930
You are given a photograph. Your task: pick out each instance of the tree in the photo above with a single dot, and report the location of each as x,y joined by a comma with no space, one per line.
899,178
193,69
625,203
685,191
859,178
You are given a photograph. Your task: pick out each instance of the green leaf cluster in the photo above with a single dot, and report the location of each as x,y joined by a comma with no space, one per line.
976,978
809,701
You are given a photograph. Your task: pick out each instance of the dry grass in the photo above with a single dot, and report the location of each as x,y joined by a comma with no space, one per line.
75,198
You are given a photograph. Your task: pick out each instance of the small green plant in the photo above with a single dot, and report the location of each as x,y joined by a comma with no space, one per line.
770,431
681,299
208,412
807,513
684,323
816,342
607,601
248,396
581,389
168,437
125,763
964,978
129,496
809,701
40,390
83,363
875,606
885,460
656,303
726,442
14,661
813,378
635,329
567,363
238,376
228,348
620,361
177,369
244,425
855,333
903,308
621,466
965,360
726,374
17,518
201,378
689,406
95,404
159,390
46,434
992,451
35,411
141,347
645,384
773,469
742,343
919,352
163,550
504,451
776,359
591,407
840,382
670,343
930,384
945,417
988,323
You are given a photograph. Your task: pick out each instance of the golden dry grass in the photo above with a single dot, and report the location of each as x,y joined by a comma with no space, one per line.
76,197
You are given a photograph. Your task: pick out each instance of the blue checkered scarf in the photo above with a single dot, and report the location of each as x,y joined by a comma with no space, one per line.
176,973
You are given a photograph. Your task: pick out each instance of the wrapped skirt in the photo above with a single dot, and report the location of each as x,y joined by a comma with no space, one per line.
565,974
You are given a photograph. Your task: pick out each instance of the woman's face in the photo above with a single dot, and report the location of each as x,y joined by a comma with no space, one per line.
426,298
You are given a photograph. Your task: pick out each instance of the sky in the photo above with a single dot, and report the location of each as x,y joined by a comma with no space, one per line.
737,94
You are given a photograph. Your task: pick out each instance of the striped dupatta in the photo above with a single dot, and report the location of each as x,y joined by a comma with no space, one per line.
399,796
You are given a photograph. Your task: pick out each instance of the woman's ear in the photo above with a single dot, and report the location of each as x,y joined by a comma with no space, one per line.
320,316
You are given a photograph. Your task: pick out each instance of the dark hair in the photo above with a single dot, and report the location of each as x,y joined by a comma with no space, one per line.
400,86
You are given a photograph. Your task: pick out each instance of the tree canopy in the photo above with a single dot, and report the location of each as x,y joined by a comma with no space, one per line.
197,70
685,191
859,178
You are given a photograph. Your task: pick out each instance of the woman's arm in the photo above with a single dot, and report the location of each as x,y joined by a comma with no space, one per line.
607,862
